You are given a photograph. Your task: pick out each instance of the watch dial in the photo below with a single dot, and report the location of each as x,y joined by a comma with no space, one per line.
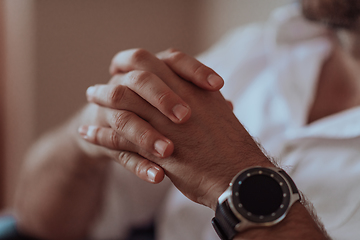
260,195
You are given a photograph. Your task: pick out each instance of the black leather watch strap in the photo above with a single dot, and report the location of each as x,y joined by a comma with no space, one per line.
225,221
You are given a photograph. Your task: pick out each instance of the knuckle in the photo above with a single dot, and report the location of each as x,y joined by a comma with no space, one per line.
137,79
139,55
115,58
199,69
114,139
124,159
95,135
144,137
140,167
163,97
116,95
175,56
172,50
121,120
115,63
116,79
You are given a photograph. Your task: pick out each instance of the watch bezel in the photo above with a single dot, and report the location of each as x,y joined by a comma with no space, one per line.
242,213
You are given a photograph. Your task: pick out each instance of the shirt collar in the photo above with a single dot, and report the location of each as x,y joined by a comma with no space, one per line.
298,50
343,125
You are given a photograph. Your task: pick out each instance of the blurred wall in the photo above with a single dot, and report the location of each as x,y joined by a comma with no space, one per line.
218,16
67,46
76,40
19,87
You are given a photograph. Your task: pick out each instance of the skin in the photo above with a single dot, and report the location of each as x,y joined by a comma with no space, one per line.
334,13
129,133
54,183
199,175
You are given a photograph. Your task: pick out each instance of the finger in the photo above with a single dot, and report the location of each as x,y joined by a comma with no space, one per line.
141,167
141,133
230,104
149,87
142,60
136,59
106,137
154,91
131,138
191,69
121,98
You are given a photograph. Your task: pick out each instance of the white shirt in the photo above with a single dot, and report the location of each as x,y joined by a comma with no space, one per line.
271,71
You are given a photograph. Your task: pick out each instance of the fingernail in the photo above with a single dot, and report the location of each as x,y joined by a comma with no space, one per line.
82,130
88,132
151,173
90,91
91,131
214,80
180,111
160,146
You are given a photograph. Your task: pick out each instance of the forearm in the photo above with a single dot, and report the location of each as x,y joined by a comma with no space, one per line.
60,187
297,225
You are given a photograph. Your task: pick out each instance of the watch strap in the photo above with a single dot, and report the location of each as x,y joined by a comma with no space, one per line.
225,221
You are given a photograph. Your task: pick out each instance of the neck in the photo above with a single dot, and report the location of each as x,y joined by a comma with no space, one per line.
338,86
349,40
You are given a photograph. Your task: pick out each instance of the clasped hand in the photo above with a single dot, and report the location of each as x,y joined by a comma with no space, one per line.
164,115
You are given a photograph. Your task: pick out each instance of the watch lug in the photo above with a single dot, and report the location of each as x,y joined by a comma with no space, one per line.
225,195
294,198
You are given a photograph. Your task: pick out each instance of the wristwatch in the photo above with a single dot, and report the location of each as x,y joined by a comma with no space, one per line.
257,196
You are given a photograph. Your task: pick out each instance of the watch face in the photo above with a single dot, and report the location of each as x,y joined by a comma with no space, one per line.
260,195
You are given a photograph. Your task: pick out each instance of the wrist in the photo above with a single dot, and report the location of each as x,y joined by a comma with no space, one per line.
257,201
221,183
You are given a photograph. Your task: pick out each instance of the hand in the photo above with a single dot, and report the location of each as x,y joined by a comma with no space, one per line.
135,137
210,148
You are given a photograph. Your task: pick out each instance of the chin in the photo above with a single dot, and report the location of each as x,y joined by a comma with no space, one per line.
333,13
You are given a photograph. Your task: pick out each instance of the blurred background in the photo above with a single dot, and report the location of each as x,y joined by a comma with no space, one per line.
51,51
